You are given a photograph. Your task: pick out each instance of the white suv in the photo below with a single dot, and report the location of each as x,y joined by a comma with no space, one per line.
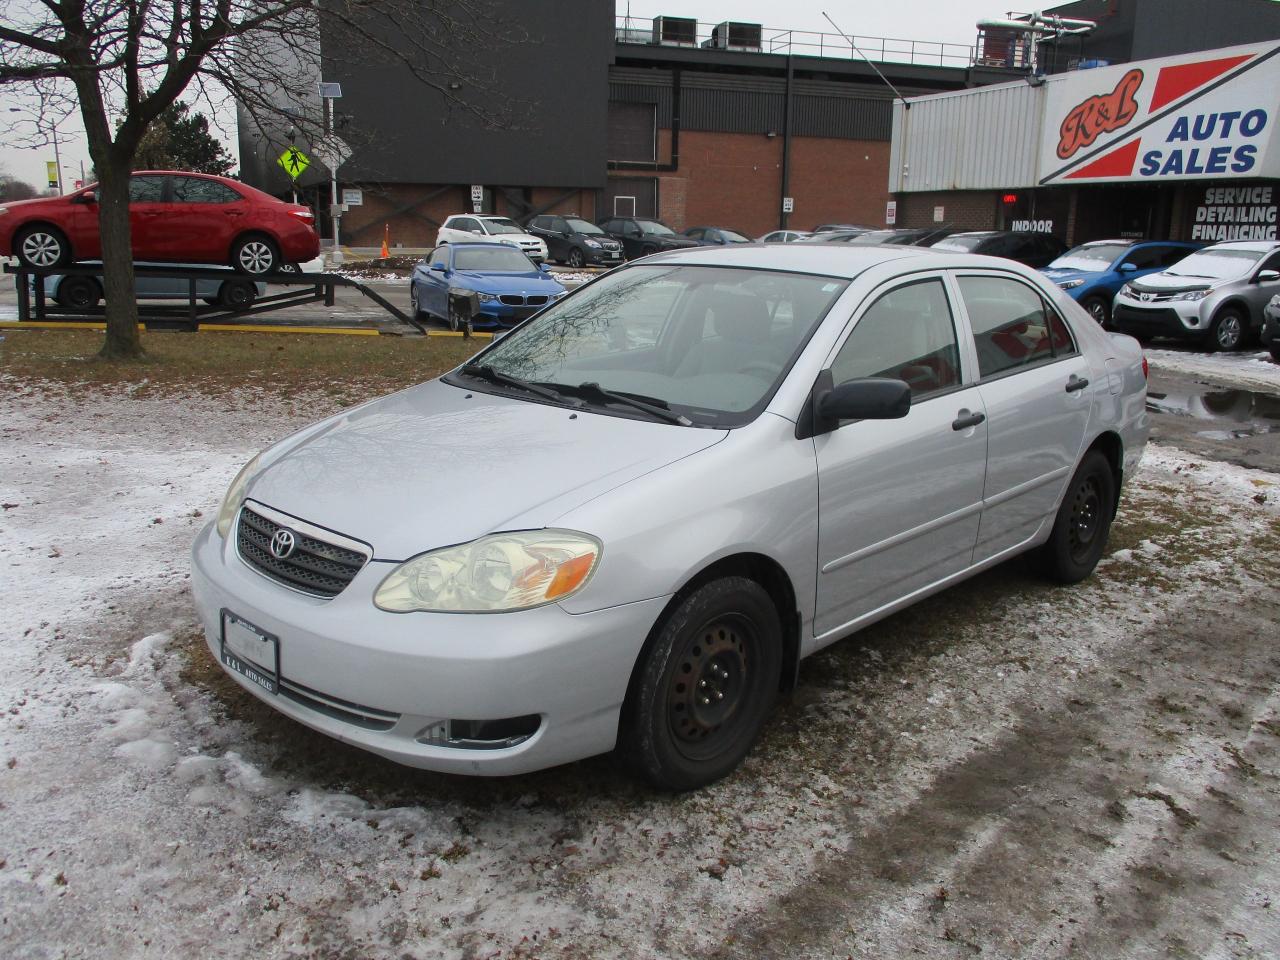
470,228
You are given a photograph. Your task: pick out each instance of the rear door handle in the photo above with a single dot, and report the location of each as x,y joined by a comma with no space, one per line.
1075,383
965,421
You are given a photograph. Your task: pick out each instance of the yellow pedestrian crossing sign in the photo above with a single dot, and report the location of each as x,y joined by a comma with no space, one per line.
294,162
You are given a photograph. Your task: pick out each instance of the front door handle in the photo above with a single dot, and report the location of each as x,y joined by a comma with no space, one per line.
965,420
1075,383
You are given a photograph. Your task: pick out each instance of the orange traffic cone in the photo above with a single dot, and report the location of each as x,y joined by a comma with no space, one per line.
386,240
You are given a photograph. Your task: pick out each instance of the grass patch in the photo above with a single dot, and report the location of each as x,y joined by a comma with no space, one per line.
222,363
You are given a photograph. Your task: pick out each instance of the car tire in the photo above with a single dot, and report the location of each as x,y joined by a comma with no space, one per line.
414,310
452,318
41,246
1083,523
255,255
576,259
1229,331
237,294
1097,308
703,686
648,249
78,293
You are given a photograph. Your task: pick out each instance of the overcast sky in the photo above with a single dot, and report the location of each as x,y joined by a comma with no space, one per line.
949,21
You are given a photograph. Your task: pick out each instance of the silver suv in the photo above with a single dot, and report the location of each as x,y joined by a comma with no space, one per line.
1216,296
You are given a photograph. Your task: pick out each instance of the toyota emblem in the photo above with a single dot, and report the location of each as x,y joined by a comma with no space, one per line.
1145,297
283,543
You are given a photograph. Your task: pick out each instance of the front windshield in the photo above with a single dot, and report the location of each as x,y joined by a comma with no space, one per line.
1221,264
501,225
709,342
583,226
653,226
733,236
1092,257
959,244
490,259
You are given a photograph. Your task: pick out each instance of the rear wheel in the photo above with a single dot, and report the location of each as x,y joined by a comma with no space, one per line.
576,259
78,293
704,685
255,255
1083,523
1229,330
41,246
1097,307
237,294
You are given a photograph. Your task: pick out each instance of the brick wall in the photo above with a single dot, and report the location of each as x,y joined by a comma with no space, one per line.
735,180
962,209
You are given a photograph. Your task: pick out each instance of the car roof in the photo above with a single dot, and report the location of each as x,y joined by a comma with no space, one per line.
494,244
826,259
1259,245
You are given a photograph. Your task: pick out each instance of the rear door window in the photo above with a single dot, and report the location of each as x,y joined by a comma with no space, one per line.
1013,326
197,190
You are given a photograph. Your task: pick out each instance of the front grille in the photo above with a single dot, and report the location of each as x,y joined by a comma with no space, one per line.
315,567
512,300
535,301
370,718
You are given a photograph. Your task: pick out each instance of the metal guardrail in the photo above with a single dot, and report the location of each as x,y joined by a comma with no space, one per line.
811,43
33,301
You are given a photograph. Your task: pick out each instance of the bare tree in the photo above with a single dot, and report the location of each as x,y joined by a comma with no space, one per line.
129,60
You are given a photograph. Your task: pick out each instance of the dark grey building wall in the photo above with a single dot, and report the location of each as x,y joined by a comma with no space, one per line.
550,93
1145,29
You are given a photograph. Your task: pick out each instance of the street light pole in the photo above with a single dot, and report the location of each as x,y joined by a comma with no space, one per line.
334,213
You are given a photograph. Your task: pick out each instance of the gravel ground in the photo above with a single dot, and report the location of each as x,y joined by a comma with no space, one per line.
1009,769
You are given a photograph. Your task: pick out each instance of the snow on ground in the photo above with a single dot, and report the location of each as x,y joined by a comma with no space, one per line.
1249,370
150,810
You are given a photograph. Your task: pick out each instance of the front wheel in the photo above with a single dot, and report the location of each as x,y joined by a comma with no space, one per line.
576,259
41,246
78,293
237,294
255,255
1083,523
1228,331
704,685
1097,307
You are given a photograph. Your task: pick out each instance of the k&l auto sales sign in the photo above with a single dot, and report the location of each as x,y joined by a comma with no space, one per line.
1197,116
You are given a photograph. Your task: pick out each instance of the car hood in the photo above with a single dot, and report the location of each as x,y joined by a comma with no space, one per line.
531,281
1168,282
436,465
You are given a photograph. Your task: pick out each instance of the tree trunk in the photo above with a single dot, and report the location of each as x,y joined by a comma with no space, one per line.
122,340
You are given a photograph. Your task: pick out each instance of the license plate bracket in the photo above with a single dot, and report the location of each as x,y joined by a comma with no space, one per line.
251,652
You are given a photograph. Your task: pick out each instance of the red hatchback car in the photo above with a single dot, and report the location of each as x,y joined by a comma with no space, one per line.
174,217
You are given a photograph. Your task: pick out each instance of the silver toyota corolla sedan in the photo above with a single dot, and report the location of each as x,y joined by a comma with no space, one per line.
651,500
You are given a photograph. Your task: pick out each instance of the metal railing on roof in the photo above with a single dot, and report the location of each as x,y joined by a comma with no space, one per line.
807,43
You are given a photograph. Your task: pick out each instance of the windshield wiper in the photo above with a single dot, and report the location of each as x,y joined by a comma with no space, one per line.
483,371
650,405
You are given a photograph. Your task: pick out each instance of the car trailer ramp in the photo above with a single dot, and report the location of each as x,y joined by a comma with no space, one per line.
34,305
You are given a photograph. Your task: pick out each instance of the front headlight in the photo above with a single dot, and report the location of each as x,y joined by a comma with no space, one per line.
486,297
497,573
592,243
1071,284
235,497
1127,290
1192,295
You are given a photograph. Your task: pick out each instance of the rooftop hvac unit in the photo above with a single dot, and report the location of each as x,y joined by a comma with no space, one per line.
734,36
675,31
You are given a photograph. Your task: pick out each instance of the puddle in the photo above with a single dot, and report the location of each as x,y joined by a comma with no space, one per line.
1236,414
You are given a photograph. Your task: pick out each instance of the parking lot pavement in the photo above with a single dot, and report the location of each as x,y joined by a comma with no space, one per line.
1009,769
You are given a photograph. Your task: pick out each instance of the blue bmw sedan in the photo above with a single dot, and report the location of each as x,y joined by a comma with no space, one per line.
509,286
1093,273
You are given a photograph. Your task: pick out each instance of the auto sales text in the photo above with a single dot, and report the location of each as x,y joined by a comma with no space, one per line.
1194,160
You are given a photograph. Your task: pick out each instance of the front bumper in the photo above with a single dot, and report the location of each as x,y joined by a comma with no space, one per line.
1179,319
604,256
420,669
498,314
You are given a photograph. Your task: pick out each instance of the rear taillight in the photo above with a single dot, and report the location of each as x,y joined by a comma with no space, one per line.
1145,368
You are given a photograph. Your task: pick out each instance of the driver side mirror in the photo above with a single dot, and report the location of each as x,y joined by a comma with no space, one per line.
867,398
1267,276
1128,268
440,266
90,197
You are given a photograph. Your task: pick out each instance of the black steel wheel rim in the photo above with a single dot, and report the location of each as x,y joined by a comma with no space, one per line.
79,294
1085,521
708,690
